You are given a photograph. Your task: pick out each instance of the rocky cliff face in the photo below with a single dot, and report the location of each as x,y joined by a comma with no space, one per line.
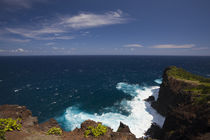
171,93
184,99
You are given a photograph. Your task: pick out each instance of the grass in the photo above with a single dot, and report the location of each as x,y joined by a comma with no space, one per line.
9,124
95,131
54,131
185,75
201,91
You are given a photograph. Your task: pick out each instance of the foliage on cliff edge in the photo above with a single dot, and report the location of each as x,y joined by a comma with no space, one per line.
9,125
201,92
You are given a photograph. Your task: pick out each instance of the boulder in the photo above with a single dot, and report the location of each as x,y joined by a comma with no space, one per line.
123,128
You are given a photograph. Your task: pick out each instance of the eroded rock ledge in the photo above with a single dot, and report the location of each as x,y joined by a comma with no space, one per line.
31,130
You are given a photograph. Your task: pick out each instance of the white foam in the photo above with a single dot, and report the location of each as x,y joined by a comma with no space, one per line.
17,90
141,116
158,81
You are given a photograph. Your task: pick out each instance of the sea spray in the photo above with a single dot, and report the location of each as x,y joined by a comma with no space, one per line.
141,114
158,81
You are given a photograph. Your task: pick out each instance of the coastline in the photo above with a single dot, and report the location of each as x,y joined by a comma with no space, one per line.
179,93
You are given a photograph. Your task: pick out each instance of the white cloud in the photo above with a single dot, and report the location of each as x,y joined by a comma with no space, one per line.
201,48
90,20
58,48
173,46
55,48
15,40
58,28
41,34
20,40
32,33
50,43
2,50
48,30
19,50
133,46
64,37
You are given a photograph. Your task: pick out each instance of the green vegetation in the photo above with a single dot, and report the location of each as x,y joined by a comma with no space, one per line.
54,131
95,131
201,91
184,75
9,124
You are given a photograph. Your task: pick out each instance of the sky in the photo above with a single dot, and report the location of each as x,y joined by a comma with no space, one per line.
105,27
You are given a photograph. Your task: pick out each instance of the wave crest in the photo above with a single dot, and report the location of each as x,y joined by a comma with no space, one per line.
140,118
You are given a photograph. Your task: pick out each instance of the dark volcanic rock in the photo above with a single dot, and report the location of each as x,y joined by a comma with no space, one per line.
203,136
154,131
123,128
171,93
187,122
187,110
150,99
123,136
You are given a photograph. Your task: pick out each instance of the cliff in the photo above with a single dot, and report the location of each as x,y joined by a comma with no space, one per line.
184,99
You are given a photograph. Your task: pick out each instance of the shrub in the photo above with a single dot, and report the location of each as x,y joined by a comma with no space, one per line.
9,124
95,131
54,131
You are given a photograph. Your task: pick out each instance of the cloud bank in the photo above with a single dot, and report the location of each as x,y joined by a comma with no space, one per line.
61,27
173,46
133,46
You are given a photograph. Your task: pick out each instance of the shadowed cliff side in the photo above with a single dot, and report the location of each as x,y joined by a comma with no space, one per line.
172,92
184,99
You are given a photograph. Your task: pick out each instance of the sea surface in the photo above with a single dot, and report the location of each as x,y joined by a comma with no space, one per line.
108,89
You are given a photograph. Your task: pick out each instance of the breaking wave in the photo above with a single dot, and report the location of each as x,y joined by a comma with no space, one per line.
141,114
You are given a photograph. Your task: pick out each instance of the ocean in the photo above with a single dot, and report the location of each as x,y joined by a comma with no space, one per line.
108,89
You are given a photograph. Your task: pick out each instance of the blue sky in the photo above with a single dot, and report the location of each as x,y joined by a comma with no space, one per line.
105,27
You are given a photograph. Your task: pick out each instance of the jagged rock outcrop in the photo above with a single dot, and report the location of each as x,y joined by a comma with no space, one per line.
154,131
123,128
150,99
49,124
31,130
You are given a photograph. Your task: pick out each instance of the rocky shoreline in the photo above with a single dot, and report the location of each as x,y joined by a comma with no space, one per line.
183,99
31,130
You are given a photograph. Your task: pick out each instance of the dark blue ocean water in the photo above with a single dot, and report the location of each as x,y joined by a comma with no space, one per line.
48,85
